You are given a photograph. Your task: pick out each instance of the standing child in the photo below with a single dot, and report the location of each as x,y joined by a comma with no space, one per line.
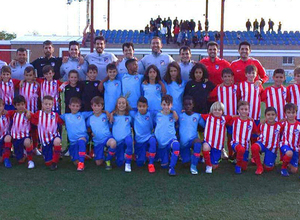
5,138
145,142
20,131
99,123
77,132
47,122
7,87
293,91
290,140
188,133
228,94
268,141
121,131
214,135
175,85
275,95
242,128
151,88
199,88
166,135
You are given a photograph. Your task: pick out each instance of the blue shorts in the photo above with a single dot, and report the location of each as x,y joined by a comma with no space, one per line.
140,150
163,154
99,149
1,146
185,154
229,129
123,147
74,151
215,156
19,147
270,157
295,157
47,150
246,154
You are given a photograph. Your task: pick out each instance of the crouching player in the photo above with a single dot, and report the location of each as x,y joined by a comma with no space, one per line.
20,131
145,142
188,132
289,145
5,138
47,122
77,132
242,128
268,141
99,124
166,135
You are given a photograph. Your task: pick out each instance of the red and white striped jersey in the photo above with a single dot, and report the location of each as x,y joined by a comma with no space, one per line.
270,135
7,90
51,88
47,124
31,93
242,130
293,96
4,125
20,124
214,132
251,94
290,135
275,97
228,95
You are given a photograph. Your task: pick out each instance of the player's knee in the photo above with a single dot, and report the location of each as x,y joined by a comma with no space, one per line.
205,147
57,141
112,143
7,139
294,169
289,153
83,139
27,142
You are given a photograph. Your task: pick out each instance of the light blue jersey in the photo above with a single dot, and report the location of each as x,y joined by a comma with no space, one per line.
112,91
176,91
185,69
121,127
143,126
122,68
165,129
75,125
100,128
131,88
153,94
73,64
18,71
188,125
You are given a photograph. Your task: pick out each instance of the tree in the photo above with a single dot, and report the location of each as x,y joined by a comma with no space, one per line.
7,36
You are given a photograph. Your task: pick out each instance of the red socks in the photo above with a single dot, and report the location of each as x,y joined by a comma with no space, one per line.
206,156
285,161
255,149
7,148
240,151
56,154
29,152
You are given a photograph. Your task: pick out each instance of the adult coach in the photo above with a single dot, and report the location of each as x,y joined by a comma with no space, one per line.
238,66
159,59
214,64
185,62
49,59
73,63
20,63
100,58
2,63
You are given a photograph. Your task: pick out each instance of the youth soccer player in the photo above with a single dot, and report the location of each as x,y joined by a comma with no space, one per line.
99,124
145,142
20,131
275,95
293,91
47,122
242,128
188,133
289,144
77,132
7,87
268,142
5,138
166,135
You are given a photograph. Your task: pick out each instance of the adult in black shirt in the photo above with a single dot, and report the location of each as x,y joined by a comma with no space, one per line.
248,25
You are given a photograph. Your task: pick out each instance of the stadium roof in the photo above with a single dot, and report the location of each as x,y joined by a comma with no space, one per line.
38,39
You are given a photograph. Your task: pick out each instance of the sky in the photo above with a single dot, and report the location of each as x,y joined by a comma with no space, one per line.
55,17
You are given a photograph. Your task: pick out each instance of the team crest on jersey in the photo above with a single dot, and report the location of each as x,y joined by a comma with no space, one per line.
157,88
162,62
3,117
194,119
77,89
171,119
78,67
126,119
217,67
52,63
276,131
296,131
136,78
78,117
116,84
234,90
35,87
249,127
204,86
105,59
95,84
283,92
54,83
222,122
147,118
103,119
9,83
52,116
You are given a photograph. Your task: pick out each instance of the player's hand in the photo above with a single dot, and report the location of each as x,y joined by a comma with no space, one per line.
145,82
81,60
65,59
111,117
13,63
21,84
257,83
118,61
28,114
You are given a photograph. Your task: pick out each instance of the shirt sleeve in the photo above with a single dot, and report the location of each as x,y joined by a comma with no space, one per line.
59,120
87,114
34,118
63,117
16,83
261,72
202,121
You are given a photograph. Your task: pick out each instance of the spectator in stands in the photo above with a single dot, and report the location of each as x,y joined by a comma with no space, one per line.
214,64
262,25
175,22
217,36
159,59
19,64
199,26
158,22
186,38
271,25
201,41
192,25
73,63
248,25
147,29
100,58
176,31
179,38
279,27
2,63
169,34
169,23
238,66
195,40
258,35
152,23
255,25
238,35
164,22
163,32
206,39
49,59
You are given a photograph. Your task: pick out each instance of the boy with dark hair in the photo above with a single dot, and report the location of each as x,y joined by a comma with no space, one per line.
293,91
185,62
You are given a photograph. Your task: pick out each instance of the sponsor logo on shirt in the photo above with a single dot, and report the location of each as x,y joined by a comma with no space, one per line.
217,67
238,70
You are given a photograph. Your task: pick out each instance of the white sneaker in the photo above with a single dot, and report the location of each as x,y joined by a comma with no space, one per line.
37,152
127,167
30,164
224,154
67,154
208,169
